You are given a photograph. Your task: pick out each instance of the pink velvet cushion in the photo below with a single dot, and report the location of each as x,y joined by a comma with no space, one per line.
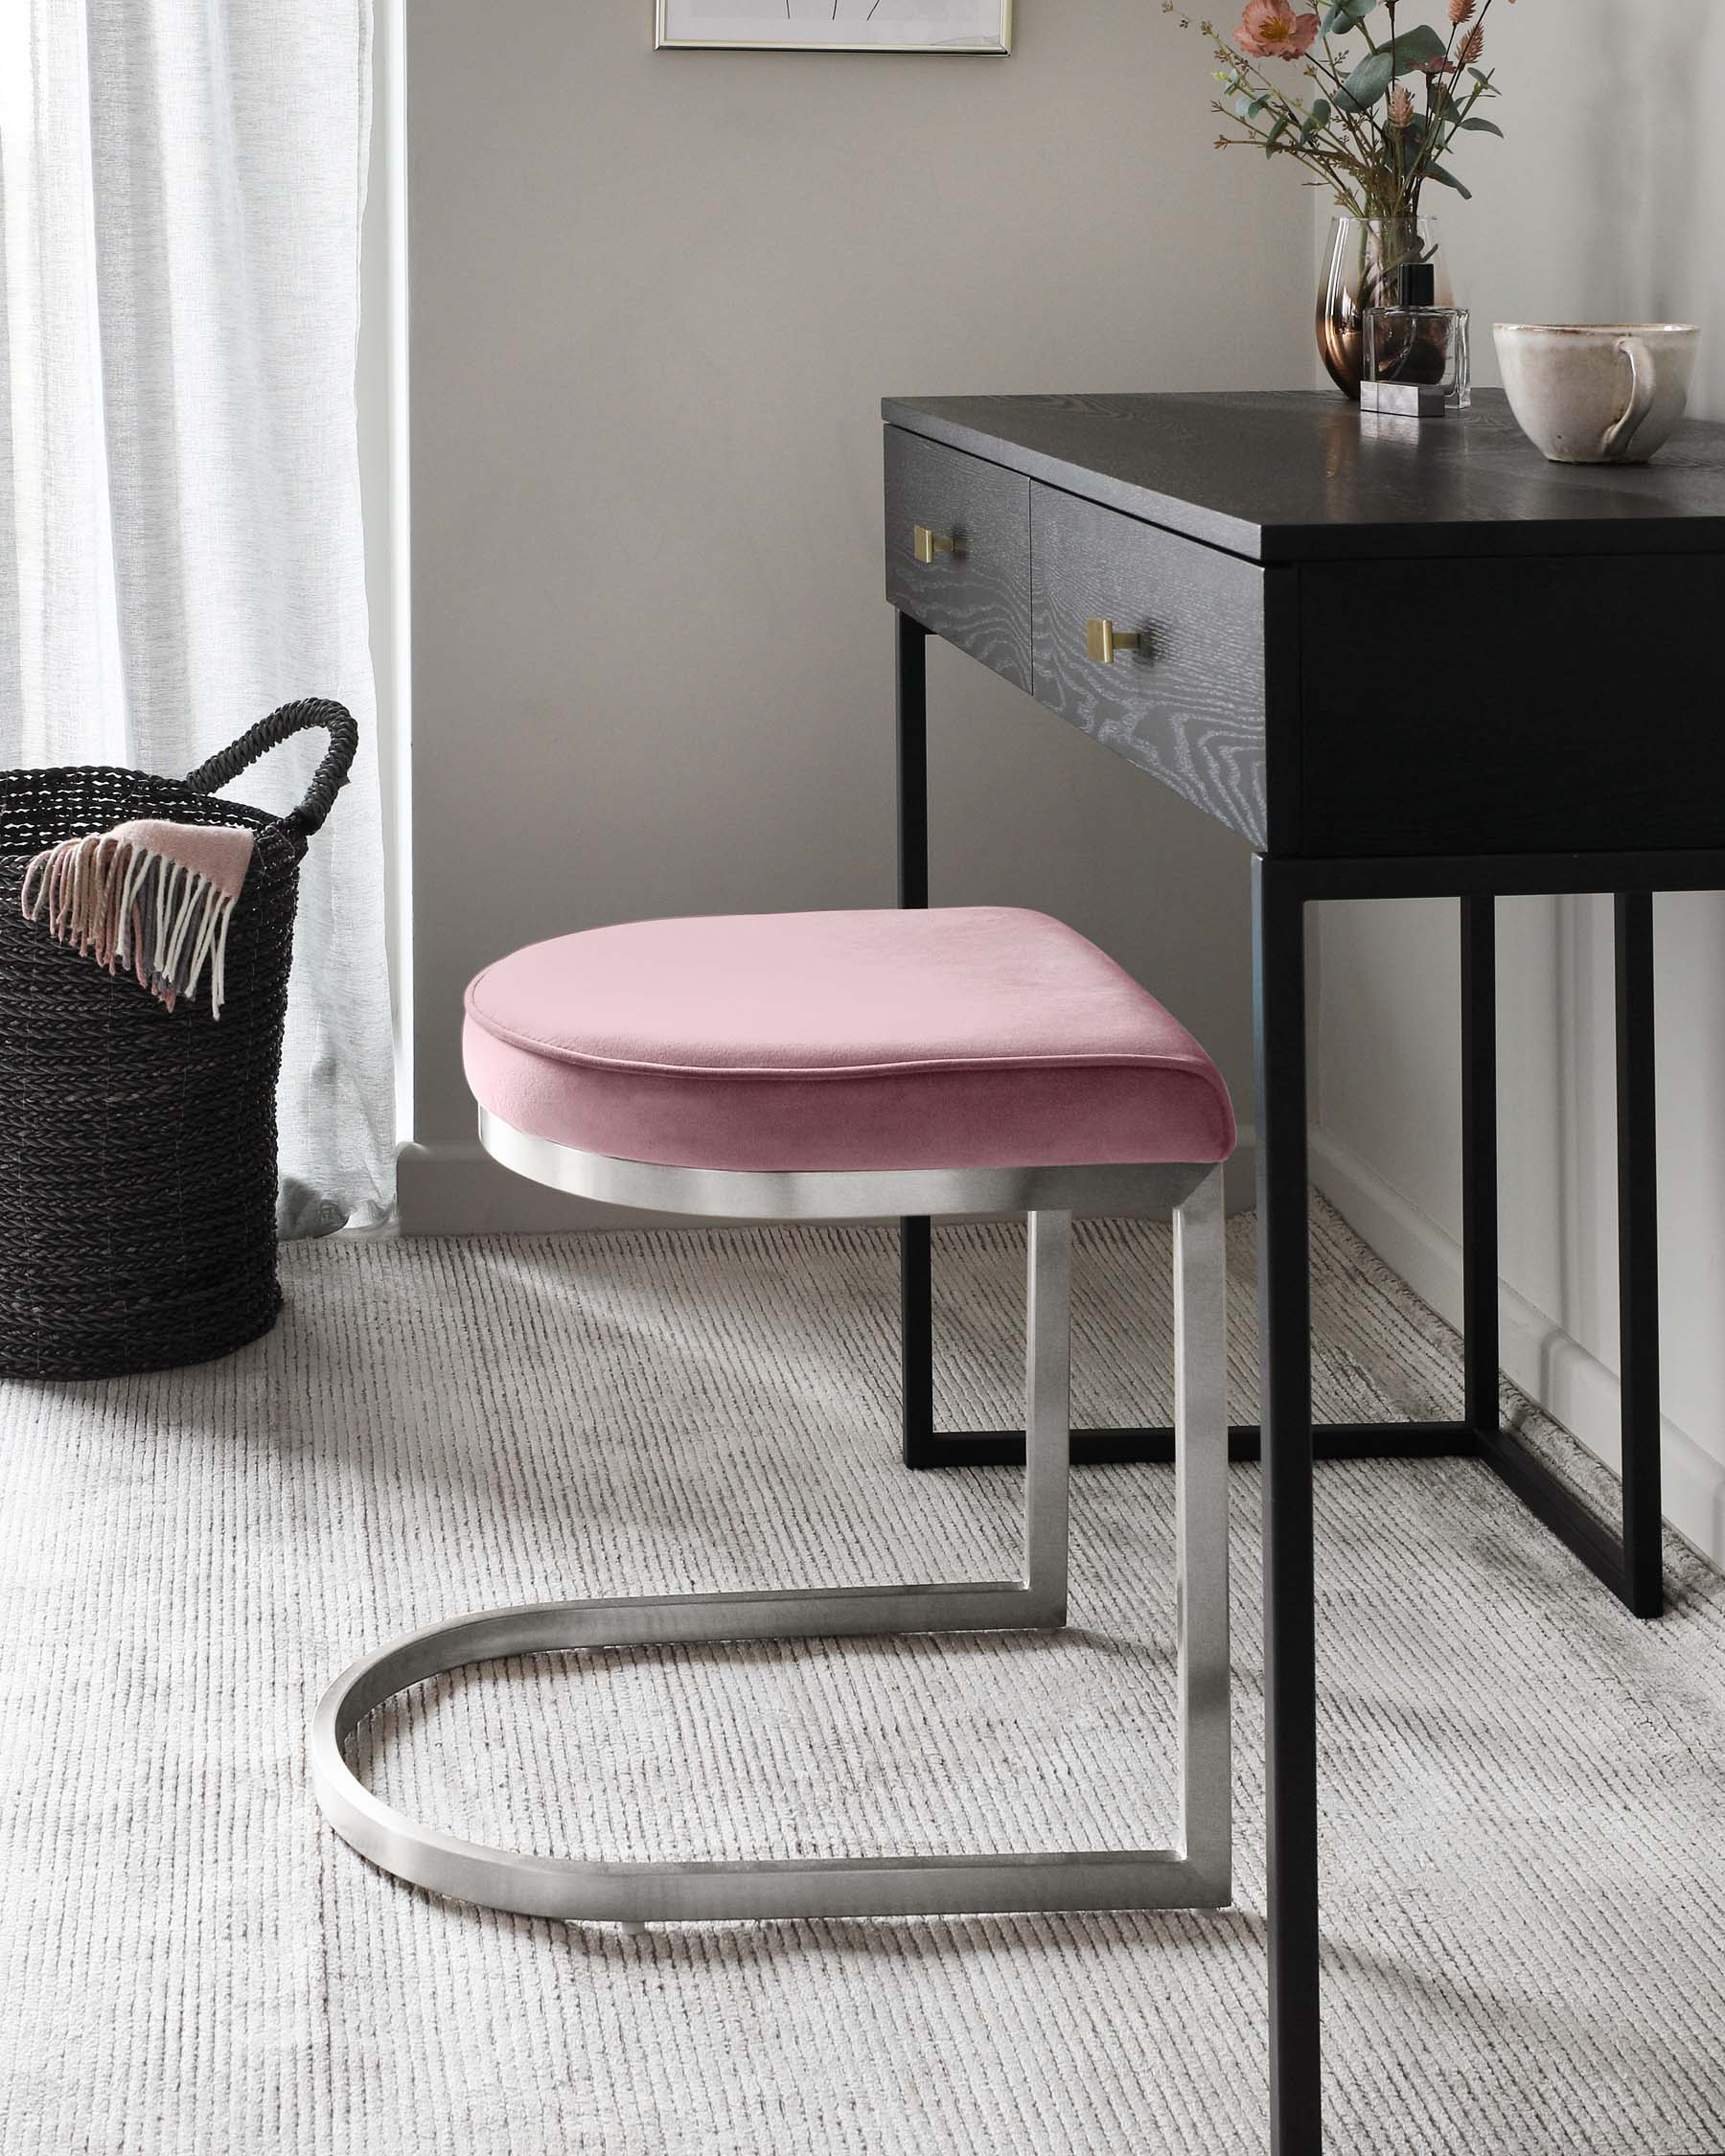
962,1037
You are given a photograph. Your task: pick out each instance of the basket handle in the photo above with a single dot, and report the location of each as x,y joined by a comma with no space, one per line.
330,777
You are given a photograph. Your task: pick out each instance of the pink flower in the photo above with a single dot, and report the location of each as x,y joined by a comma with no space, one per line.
1273,31
1471,48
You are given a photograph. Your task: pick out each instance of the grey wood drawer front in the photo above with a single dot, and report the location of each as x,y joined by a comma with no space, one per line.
1188,704
978,596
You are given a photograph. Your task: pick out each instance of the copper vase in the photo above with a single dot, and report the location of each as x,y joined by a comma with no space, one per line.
1363,267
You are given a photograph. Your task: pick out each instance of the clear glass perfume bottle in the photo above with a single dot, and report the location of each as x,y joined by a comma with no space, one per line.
1418,344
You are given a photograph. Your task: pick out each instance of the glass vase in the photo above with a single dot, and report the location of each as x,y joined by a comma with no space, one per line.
1366,263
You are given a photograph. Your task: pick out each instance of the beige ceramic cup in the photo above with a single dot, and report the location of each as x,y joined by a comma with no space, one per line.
1597,394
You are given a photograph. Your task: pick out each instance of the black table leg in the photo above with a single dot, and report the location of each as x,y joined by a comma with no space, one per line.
1286,1411
1638,1256
916,1264
1629,1560
912,762
916,1299
1480,1162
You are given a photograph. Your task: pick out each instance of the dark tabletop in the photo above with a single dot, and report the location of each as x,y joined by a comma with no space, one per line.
1299,475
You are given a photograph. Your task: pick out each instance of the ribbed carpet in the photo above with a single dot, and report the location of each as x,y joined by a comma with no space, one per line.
1524,1789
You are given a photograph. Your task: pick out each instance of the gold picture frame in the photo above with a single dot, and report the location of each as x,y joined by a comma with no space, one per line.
671,20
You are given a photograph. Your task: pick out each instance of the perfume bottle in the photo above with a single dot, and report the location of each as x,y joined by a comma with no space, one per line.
1416,352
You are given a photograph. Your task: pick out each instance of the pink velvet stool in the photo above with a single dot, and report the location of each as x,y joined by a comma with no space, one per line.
820,1066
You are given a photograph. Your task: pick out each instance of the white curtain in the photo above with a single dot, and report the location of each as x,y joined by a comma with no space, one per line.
180,545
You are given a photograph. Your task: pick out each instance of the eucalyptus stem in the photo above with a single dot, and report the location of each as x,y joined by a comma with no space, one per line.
1257,138
1328,63
1430,153
1374,161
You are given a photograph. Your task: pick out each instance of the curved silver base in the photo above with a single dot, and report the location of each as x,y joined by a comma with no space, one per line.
1195,1875
650,1892
804,1194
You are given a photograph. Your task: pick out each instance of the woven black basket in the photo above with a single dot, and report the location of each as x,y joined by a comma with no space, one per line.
138,1144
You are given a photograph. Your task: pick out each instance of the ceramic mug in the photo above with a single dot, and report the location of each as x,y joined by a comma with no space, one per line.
1597,394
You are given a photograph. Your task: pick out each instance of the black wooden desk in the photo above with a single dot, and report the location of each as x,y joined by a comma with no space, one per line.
1400,662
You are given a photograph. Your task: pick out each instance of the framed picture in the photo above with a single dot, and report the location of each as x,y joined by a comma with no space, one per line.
839,26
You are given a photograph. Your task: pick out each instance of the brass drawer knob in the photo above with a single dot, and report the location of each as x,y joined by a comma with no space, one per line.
926,544
1104,641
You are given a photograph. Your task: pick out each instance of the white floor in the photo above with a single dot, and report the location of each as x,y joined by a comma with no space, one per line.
1524,1789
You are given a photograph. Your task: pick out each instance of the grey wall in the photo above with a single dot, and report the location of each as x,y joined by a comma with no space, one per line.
655,300
1603,205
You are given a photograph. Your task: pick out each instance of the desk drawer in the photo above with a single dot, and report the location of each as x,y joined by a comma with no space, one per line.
1186,701
1567,703
975,592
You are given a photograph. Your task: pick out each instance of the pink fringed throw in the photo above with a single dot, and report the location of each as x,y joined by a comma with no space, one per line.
156,897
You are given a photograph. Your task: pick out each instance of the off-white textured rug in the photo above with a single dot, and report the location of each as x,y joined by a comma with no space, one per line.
1524,1789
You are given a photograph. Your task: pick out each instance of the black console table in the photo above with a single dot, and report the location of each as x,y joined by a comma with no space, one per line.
1215,587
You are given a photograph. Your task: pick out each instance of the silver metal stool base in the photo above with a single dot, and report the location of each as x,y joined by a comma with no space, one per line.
1196,1873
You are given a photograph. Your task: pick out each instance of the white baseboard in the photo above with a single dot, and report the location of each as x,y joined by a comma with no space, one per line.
454,1188
1566,1379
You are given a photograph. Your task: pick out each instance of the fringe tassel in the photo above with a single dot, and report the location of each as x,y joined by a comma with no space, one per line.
125,906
